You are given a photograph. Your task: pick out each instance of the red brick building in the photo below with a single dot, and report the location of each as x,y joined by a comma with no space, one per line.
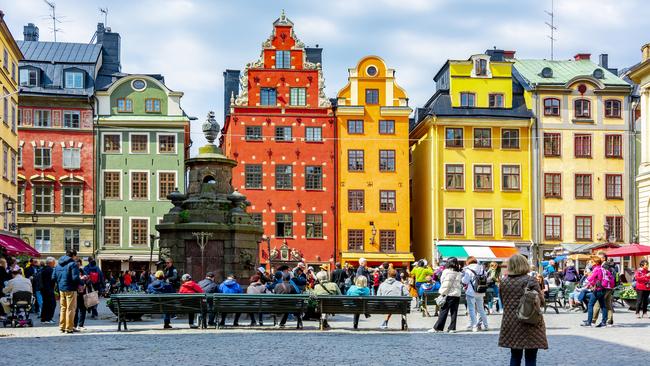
280,129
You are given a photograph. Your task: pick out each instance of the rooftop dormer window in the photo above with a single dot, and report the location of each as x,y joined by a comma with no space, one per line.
28,77
480,67
282,59
74,79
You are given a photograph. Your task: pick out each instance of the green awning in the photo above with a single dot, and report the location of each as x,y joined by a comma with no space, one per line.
447,251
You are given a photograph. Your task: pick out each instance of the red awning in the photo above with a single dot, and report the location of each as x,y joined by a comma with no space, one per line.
629,250
15,246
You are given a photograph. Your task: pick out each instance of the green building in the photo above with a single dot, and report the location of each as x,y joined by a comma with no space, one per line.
142,140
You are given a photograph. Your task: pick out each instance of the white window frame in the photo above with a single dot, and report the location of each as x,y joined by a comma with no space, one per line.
73,72
521,223
103,231
464,234
71,113
103,196
35,112
491,180
158,143
42,167
119,134
300,95
72,230
42,249
78,149
148,185
521,179
474,222
158,183
131,142
81,198
131,228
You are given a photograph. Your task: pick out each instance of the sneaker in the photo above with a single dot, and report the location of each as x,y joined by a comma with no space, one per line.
485,329
280,326
475,329
384,325
76,329
167,326
610,325
194,326
51,322
69,332
434,330
451,331
601,325
585,324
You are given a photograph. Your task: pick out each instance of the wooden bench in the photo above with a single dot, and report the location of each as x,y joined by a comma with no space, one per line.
256,304
357,305
124,305
428,298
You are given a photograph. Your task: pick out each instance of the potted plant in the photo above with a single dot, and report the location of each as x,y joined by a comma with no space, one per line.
628,295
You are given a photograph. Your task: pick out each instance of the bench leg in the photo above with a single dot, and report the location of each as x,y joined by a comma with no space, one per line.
125,324
119,324
404,323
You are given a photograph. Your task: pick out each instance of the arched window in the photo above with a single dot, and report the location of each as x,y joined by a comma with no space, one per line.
613,108
582,108
551,107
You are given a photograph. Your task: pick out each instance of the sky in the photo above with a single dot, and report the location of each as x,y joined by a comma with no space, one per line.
191,42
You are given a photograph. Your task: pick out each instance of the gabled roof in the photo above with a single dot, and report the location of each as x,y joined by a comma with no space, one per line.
60,52
563,72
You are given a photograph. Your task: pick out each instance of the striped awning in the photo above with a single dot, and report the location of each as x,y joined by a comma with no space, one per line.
483,251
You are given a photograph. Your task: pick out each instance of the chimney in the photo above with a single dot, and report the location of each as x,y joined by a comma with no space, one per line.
582,56
495,55
509,55
603,60
30,32
314,54
110,50
230,89
645,52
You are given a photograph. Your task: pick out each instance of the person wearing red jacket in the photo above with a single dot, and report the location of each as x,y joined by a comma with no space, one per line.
188,286
642,278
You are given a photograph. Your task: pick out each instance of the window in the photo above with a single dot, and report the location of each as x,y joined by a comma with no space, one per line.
43,197
112,232
313,134
152,105
42,118
314,177
583,228
314,226
166,144
283,225
42,157
112,185
71,239
355,127
5,59
71,158
582,144
72,198
483,177
20,117
13,167
124,105
139,185
455,222
387,127
482,138
283,134
614,186
612,108
268,97
551,107
386,160
582,108
372,96
614,227
510,178
139,144
454,177
19,162
253,176
387,201
28,77
387,240
42,242
583,185
356,200
510,139
552,227
5,161
253,133
166,184
256,217
552,144
483,222
297,96
74,79
282,59
112,144
283,177
71,119
139,232
495,100
613,146
355,240
5,106
467,99
480,67
21,198
13,117
552,185
511,223
355,160
454,137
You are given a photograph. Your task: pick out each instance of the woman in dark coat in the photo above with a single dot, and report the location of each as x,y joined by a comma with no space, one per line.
521,338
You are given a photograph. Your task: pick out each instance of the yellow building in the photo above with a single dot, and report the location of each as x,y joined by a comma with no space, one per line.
9,56
373,178
583,150
471,163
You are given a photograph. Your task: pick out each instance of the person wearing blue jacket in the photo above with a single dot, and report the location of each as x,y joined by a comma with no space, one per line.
160,286
230,286
66,275
360,288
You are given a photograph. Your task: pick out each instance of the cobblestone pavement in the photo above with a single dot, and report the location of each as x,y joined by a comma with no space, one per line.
146,343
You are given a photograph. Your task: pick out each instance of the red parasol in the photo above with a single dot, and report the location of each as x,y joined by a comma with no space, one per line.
633,250
15,246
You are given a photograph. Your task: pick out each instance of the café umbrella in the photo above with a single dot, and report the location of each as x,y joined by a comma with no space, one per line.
632,250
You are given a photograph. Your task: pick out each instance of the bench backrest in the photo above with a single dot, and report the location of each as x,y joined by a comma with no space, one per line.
159,303
230,303
365,304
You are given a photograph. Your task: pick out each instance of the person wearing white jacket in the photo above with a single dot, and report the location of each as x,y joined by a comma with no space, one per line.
451,288
474,299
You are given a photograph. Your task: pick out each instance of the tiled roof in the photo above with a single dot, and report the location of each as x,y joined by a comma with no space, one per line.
74,53
563,72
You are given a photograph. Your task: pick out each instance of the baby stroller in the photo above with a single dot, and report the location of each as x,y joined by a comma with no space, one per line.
21,305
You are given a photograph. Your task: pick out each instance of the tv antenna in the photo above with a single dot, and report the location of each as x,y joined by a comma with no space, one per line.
53,16
551,26
105,12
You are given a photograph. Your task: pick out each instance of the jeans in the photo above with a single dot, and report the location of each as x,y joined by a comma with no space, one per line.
474,304
609,300
600,297
39,302
450,307
68,301
530,356
496,296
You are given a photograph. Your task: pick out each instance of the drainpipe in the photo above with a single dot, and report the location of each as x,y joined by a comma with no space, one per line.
336,188
436,191
536,174
91,102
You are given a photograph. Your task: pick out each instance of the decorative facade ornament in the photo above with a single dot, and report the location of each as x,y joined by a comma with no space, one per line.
242,98
211,128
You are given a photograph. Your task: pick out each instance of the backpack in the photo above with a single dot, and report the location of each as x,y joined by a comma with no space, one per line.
479,282
529,310
94,277
608,282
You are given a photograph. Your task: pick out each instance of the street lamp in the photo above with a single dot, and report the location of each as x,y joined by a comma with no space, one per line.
202,240
373,231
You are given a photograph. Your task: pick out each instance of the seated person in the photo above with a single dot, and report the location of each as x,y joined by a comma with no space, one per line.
323,288
18,283
429,286
579,295
160,286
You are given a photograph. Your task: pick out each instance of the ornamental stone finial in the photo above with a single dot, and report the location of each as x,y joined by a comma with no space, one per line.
211,128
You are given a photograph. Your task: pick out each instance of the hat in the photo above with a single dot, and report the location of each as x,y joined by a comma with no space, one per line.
210,274
301,265
160,274
425,262
261,269
325,267
186,277
310,268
